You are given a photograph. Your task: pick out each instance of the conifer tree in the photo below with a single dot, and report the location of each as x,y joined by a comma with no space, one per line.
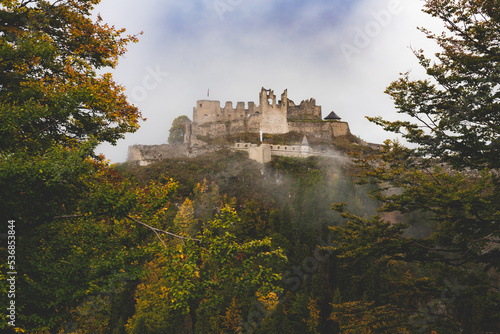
448,178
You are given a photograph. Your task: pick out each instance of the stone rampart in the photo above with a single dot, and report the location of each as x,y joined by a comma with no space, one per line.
320,130
147,154
257,152
144,155
270,116
209,111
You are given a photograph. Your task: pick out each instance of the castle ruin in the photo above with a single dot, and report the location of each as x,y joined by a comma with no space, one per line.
270,116
211,121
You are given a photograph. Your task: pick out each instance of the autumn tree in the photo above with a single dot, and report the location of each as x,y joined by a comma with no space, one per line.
50,90
194,284
51,97
54,110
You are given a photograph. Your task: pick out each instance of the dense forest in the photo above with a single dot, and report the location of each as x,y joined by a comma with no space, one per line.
401,240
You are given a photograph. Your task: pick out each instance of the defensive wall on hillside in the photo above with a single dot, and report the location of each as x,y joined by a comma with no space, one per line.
144,155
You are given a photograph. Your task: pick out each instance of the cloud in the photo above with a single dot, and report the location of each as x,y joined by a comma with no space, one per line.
276,44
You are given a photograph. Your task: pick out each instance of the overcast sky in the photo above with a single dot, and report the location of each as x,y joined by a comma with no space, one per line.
342,53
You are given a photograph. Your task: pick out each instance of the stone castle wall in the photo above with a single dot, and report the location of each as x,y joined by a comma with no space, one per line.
263,153
144,155
322,131
274,120
211,121
209,111
306,110
270,116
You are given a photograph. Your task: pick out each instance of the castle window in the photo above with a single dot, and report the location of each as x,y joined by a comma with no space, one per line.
218,115
229,115
206,115
201,105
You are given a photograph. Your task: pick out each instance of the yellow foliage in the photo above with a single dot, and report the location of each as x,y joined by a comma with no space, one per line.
232,318
184,220
269,301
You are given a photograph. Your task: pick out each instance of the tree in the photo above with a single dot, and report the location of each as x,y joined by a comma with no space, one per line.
195,284
457,126
53,102
184,221
449,179
72,260
178,130
54,109
49,88
457,111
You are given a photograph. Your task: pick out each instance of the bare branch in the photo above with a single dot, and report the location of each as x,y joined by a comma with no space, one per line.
162,231
482,239
154,229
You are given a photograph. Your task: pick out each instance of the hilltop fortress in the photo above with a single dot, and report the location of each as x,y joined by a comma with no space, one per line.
270,116
214,127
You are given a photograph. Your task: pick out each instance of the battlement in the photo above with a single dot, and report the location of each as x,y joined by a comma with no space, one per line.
210,111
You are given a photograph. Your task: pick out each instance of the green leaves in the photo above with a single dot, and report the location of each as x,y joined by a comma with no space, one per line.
39,186
203,277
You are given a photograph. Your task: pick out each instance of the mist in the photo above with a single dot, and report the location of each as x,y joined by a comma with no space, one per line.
343,55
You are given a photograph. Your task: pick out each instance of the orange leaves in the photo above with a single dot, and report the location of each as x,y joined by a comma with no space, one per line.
50,55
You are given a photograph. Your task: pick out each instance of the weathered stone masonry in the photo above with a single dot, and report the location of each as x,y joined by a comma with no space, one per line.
211,120
270,116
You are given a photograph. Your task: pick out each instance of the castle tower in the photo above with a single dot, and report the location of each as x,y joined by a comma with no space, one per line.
284,99
274,117
265,96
